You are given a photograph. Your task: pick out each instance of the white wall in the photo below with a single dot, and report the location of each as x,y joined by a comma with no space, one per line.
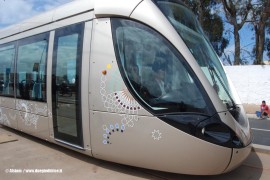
252,83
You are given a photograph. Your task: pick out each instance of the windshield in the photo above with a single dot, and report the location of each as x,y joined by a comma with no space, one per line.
187,26
155,71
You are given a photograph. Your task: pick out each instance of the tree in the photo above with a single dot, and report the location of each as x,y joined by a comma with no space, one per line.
236,13
267,42
214,27
210,21
259,18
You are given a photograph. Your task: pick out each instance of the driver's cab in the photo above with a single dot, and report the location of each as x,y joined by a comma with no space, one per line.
165,83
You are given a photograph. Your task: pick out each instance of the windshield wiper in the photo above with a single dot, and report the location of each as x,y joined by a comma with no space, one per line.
212,69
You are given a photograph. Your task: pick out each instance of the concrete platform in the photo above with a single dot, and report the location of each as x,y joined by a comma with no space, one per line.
5,138
31,158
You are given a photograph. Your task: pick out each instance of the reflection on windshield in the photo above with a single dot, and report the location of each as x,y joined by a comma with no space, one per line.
156,72
188,28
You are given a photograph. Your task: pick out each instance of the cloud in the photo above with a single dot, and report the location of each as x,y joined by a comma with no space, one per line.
14,11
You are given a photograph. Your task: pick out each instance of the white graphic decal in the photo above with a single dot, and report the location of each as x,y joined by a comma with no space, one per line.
128,120
49,113
41,110
3,118
2,100
29,119
23,105
12,116
109,131
156,135
118,101
30,110
121,102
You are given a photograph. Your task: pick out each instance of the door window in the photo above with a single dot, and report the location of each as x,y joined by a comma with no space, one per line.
66,86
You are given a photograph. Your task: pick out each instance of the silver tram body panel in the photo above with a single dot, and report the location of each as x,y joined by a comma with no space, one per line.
110,130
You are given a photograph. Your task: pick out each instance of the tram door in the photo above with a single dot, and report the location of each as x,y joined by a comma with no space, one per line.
66,85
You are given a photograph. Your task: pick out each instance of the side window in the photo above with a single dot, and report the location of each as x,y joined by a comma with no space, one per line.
155,71
7,54
31,68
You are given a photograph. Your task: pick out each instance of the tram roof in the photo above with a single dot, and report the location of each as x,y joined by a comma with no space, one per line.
101,8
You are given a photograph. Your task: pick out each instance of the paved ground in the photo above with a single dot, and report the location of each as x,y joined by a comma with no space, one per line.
261,130
24,153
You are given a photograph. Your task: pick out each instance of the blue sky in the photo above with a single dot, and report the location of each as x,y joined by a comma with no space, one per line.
13,11
246,39
247,42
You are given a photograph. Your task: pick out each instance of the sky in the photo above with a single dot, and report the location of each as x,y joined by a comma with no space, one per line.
247,42
14,11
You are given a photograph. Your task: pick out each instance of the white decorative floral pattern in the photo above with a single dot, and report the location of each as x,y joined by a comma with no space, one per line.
29,119
156,135
120,102
30,112
49,113
3,118
31,107
12,116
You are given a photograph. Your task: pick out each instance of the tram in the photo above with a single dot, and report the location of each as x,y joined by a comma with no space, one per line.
134,82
